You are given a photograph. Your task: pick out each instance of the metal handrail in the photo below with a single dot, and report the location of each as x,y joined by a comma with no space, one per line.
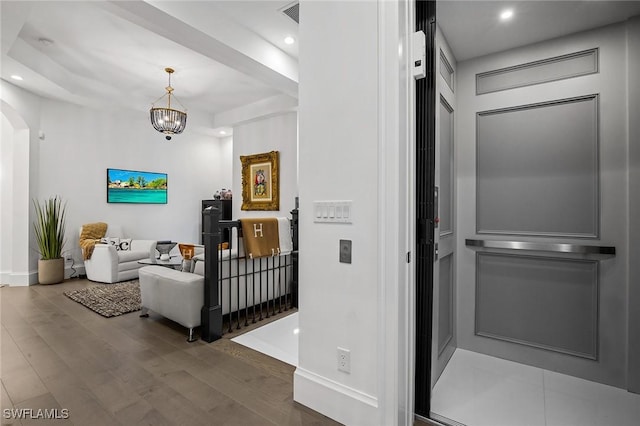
543,247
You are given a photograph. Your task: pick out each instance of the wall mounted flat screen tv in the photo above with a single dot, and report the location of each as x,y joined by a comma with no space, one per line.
135,187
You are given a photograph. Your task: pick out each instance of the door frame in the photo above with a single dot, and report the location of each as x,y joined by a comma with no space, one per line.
425,122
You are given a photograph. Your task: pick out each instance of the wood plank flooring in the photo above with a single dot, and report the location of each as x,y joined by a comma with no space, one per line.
57,354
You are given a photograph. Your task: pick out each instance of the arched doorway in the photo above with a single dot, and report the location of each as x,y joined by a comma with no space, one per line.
14,195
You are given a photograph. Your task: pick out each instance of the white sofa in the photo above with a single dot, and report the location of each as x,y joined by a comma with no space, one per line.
108,265
173,294
179,296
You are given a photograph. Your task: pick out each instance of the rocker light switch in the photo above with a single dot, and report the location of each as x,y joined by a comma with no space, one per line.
338,211
345,251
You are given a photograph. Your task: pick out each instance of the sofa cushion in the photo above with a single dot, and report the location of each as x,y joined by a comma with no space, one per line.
198,266
129,266
128,255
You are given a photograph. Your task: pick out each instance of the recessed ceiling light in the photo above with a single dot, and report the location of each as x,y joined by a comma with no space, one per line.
289,40
222,132
506,14
17,77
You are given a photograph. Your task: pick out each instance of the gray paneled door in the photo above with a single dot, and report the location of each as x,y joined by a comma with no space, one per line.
444,291
544,163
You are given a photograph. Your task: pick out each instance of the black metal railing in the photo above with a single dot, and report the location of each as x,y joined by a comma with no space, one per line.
255,288
246,290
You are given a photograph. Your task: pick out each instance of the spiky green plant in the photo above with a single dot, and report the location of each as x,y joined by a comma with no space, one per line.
49,227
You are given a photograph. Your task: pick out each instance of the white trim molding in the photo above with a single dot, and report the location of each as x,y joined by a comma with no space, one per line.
19,280
348,406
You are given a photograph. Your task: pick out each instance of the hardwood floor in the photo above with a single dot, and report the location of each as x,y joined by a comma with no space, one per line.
57,354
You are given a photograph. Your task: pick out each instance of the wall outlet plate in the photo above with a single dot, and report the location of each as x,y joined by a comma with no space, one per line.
344,360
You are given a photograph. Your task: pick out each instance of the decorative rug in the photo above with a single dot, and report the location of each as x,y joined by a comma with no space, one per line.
109,300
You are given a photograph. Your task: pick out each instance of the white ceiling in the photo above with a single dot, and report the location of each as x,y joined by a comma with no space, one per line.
227,54
473,28
113,54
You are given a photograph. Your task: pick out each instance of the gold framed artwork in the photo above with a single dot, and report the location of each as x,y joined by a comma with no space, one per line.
260,181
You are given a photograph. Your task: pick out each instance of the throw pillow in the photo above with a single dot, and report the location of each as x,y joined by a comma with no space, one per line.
125,244
114,241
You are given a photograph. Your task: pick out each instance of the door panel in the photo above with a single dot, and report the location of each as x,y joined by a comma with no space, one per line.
444,297
543,302
446,303
537,169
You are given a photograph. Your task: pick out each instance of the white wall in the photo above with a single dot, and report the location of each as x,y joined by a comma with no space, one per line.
276,133
225,163
350,148
22,109
81,143
6,196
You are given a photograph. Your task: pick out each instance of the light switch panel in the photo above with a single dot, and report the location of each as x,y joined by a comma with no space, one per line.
345,251
340,211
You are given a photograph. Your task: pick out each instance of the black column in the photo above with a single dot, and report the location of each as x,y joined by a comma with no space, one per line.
425,187
211,315
294,256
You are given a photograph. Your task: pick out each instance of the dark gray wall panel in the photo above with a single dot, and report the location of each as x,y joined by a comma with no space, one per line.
558,68
445,303
446,168
537,169
543,302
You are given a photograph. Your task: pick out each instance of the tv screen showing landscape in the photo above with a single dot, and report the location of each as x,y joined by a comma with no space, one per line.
131,186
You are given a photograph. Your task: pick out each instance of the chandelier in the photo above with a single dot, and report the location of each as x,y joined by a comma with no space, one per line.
168,120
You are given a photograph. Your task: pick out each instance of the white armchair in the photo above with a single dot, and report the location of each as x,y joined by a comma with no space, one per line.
108,265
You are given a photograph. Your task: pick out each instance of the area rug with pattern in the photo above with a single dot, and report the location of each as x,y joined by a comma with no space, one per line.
109,300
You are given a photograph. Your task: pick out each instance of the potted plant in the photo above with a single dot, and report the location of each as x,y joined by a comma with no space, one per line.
49,228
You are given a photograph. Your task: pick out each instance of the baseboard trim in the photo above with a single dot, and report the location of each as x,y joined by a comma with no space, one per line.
31,278
442,420
335,400
19,280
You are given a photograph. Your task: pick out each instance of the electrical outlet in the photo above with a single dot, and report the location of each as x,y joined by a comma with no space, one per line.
68,257
344,360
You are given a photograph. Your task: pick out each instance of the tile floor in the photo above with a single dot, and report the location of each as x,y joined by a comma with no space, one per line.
480,390
278,339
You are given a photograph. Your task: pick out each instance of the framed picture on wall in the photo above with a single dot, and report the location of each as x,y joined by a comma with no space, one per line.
136,187
260,186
